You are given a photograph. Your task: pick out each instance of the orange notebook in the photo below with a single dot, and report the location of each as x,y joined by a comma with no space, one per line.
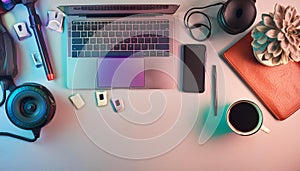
277,87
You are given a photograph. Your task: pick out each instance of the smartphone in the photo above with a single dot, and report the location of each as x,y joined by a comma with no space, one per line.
193,68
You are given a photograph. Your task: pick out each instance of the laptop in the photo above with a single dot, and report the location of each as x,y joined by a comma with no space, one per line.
120,46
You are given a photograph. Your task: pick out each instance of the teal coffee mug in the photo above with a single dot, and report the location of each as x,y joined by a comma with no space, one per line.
245,118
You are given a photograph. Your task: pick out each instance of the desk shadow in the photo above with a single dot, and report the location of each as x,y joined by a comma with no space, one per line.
211,125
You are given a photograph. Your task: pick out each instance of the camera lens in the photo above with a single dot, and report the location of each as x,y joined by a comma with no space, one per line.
30,107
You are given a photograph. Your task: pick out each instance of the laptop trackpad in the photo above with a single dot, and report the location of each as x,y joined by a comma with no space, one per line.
121,72
155,79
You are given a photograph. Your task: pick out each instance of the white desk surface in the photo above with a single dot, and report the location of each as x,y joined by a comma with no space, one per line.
74,140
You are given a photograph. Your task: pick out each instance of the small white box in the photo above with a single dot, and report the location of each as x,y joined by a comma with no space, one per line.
77,101
118,105
101,98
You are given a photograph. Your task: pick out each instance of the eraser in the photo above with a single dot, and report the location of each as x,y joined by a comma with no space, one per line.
77,101
118,105
37,60
101,98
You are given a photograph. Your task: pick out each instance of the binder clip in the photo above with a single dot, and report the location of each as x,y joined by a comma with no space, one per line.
55,21
21,30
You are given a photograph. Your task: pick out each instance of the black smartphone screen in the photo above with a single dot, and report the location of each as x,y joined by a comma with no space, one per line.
193,68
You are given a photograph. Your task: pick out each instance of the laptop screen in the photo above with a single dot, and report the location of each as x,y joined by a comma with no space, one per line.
126,9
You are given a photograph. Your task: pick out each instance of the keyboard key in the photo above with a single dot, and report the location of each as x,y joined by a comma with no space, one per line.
84,34
123,47
94,27
81,54
77,47
147,40
95,54
113,40
103,47
122,27
87,27
146,53
109,47
130,46
112,34
75,34
159,53
117,47
99,40
166,53
119,34
107,27
139,34
144,47
80,27
152,33
143,27
133,40
162,46
163,40
166,33
164,26
97,34
156,27
74,27
96,47
74,54
100,27
137,47
152,53
87,54
90,34
120,54
77,41
119,40
127,40
125,34
93,40
128,27
135,27
141,40
115,27
146,34
151,46
89,47
86,40
154,40
159,33
149,27
106,40
104,34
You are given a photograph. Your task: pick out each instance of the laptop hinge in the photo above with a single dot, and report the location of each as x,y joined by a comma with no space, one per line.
118,15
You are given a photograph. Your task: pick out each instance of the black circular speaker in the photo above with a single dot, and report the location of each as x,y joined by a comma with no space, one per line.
30,106
236,16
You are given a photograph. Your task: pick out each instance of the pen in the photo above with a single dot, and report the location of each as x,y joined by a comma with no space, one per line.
35,22
215,91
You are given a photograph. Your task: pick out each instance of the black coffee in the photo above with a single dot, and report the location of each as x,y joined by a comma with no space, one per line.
244,117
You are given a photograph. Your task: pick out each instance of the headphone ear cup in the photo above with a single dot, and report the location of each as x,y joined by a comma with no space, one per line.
30,106
236,16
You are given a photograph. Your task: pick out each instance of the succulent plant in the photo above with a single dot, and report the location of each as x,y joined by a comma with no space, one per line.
276,39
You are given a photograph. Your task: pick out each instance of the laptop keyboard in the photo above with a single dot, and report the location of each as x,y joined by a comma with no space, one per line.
120,38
